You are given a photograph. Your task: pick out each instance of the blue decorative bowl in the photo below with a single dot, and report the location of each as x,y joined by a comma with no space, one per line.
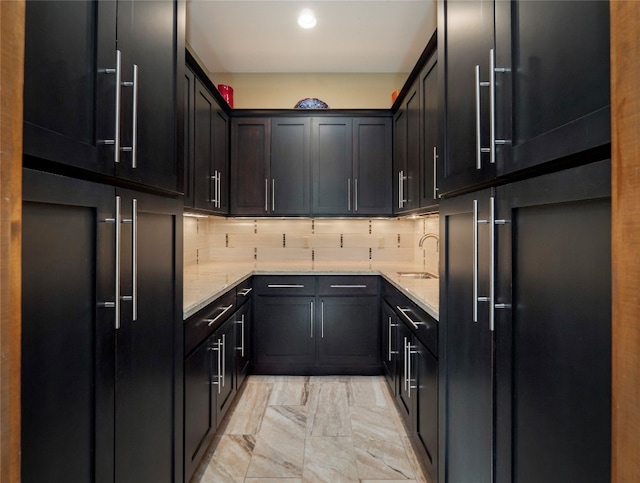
311,103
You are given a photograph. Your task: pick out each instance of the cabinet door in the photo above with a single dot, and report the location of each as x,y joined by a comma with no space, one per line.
467,37
148,360
284,331
399,159
147,40
430,130
389,346
554,99
221,160
243,345
348,333
331,158
225,338
189,140
199,419
290,184
554,343
68,98
467,384
427,406
250,159
205,184
68,336
412,173
372,166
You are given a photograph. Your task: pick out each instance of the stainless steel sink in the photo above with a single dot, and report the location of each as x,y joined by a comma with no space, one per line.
417,275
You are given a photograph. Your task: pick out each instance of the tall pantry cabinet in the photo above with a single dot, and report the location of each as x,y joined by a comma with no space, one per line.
525,220
102,243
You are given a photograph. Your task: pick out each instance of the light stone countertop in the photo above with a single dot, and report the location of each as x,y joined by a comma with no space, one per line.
205,282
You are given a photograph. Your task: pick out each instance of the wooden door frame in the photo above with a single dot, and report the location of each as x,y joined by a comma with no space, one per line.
625,233
11,80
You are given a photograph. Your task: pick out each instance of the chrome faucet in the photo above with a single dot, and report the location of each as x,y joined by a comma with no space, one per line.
430,235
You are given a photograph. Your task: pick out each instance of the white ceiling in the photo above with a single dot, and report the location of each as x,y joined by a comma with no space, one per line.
352,36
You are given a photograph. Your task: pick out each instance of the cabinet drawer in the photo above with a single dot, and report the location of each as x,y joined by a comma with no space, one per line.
422,324
288,285
244,291
202,324
348,285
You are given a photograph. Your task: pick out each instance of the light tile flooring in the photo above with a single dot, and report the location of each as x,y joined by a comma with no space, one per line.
292,429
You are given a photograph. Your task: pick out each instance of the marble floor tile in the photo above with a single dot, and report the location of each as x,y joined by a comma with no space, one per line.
273,480
330,459
328,410
380,459
246,415
373,423
279,449
232,454
367,391
421,477
290,391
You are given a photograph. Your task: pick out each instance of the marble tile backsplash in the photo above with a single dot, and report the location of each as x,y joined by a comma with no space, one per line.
269,241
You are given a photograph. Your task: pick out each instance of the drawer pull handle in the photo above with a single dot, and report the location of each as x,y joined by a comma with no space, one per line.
213,321
348,286
404,312
277,285
245,292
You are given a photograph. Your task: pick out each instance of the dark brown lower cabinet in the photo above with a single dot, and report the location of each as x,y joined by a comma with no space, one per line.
389,346
99,363
526,391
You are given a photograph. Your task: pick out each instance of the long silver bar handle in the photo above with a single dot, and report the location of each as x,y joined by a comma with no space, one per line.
322,319
355,194
401,199
349,194
435,172
245,292
214,198
312,319
241,348
492,269
134,140
404,375
404,313
476,298
116,135
273,195
266,195
219,350
479,148
118,253
410,352
475,260
389,339
134,257
348,286
210,322
224,357
285,285
492,86
391,351
219,189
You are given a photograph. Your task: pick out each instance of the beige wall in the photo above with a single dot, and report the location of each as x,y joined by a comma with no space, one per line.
339,91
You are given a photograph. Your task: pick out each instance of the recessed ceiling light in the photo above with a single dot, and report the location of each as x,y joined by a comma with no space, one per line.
307,19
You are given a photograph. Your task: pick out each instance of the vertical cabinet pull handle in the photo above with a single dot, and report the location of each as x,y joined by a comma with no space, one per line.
492,86
134,258
355,194
266,195
409,368
322,319
134,139
118,103
490,299
389,357
479,148
349,194
312,319
117,261
435,172
224,357
219,189
492,261
218,349
273,195
405,364
241,348
475,260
